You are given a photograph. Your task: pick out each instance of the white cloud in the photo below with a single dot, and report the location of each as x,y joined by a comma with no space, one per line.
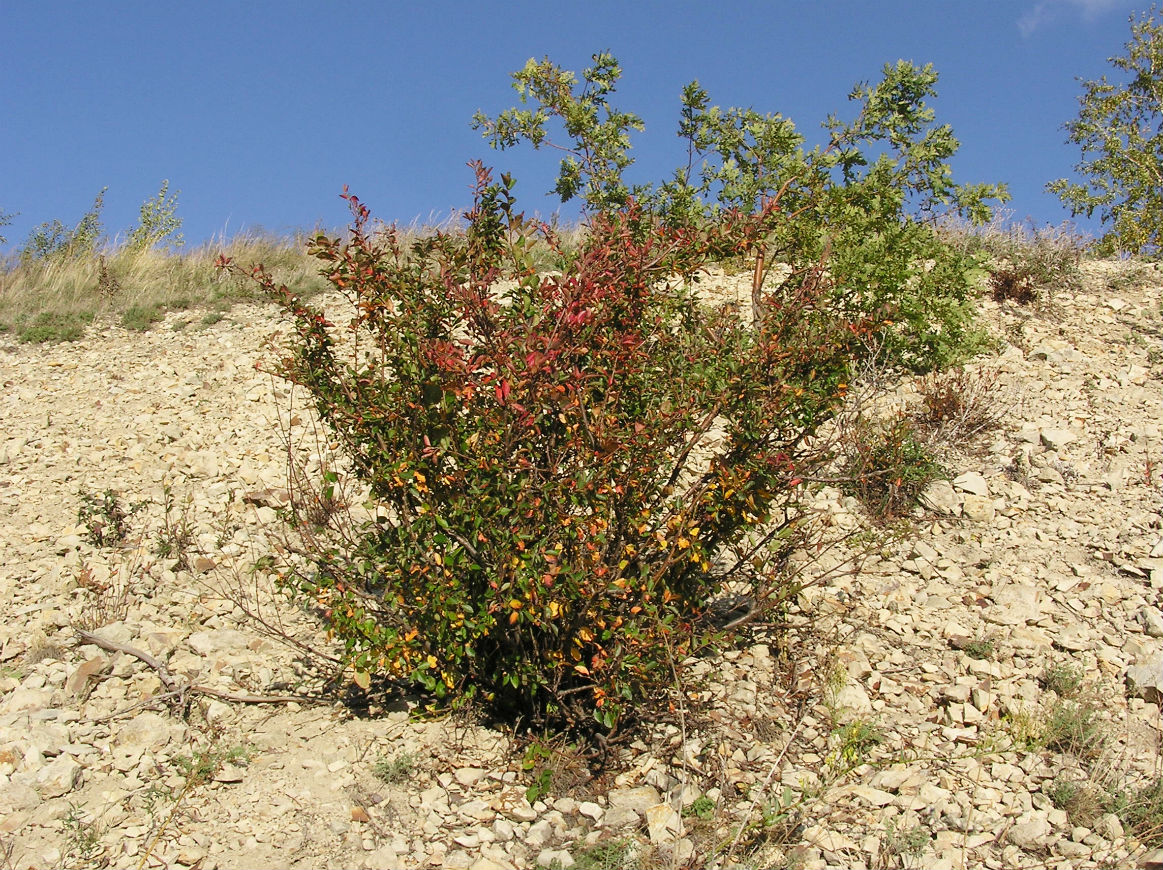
1047,10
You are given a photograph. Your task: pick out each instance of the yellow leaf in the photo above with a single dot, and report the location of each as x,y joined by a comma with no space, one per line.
431,661
363,679
515,604
582,669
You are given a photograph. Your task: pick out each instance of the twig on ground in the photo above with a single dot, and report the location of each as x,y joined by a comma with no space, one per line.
181,693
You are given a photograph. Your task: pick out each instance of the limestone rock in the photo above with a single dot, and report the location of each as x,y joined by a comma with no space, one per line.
1030,835
638,798
1146,681
972,482
1016,604
940,496
59,777
1056,439
978,508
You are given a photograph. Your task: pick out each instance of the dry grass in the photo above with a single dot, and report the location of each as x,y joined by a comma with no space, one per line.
54,300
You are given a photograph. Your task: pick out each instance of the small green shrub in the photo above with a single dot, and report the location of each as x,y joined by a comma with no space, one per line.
887,466
158,222
980,648
1073,727
1065,681
54,242
553,766
51,327
139,318
611,854
854,741
702,808
396,769
1141,810
175,539
900,845
1082,801
105,518
83,837
205,764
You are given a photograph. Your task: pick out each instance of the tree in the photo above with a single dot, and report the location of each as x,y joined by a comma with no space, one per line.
858,212
5,220
1120,131
159,222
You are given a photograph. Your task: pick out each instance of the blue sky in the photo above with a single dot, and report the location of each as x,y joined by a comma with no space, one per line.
260,112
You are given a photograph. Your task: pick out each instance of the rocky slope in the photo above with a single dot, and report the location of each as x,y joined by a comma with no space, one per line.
907,718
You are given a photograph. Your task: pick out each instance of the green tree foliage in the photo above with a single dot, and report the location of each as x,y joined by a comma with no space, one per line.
857,212
159,222
1120,131
5,220
599,133
53,241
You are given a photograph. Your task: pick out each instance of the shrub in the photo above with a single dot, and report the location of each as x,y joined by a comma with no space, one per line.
159,222
1074,727
396,769
1141,810
139,318
1083,801
1013,284
959,405
50,327
1118,129
105,518
887,467
1022,259
5,220
568,466
1066,681
55,242
540,447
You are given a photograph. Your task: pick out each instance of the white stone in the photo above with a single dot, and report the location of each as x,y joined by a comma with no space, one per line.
1015,604
979,509
971,482
940,496
59,777
638,799
1031,834
663,823
1152,621
591,810
1056,439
